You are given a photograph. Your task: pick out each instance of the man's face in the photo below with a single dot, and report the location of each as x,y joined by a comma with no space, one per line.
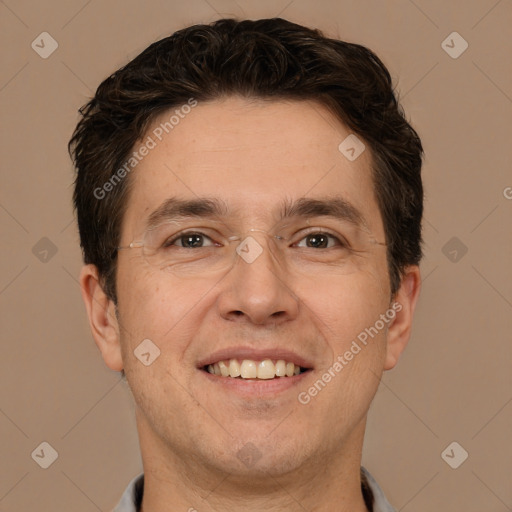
292,302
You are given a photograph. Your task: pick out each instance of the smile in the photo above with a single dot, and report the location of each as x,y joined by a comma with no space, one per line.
265,369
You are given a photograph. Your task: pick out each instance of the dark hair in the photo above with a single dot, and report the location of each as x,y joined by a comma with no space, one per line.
270,59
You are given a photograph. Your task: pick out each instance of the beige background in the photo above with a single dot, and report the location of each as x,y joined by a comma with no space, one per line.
453,383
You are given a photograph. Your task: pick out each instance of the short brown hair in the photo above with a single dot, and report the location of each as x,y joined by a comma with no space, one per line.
268,58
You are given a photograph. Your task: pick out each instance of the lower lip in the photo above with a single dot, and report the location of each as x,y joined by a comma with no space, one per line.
256,387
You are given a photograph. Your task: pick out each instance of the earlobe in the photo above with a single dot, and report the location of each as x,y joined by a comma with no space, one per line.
102,318
404,305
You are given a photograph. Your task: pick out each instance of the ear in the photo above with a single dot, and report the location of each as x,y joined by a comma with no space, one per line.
102,317
404,304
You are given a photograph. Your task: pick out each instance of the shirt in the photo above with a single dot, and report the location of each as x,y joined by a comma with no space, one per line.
132,496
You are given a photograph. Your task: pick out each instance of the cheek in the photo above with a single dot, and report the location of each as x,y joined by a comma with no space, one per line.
157,307
344,305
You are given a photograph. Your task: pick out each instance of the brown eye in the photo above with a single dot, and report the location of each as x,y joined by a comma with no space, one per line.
319,240
190,240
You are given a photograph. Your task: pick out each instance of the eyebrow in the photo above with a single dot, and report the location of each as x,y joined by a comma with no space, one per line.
174,208
177,209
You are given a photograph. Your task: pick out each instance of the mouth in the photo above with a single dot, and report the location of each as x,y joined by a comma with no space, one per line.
249,364
251,369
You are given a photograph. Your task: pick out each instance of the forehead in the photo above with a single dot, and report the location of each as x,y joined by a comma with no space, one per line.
252,155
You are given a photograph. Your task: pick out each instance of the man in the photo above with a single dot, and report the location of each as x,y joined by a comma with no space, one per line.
249,202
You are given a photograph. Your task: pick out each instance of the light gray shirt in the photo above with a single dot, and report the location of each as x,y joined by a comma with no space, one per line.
132,496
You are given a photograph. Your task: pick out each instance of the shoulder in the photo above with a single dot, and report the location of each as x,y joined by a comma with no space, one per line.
132,497
380,503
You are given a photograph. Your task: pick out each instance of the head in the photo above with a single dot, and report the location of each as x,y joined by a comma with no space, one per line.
250,115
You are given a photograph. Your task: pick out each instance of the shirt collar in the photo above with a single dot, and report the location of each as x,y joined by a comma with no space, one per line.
132,496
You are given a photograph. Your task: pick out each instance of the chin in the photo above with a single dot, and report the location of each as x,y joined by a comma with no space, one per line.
259,457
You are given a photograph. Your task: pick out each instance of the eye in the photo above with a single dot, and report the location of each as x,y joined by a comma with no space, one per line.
190,240
320,240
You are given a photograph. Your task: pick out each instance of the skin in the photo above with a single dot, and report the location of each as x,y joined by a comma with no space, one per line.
251,154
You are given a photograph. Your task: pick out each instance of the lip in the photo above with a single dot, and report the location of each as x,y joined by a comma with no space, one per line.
240,353
256,388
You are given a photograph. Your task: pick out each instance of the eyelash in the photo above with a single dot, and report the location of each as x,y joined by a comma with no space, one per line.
170,242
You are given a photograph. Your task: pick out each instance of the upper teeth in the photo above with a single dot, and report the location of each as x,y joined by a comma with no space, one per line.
250,369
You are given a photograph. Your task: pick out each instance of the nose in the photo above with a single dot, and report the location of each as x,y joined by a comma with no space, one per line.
258,288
